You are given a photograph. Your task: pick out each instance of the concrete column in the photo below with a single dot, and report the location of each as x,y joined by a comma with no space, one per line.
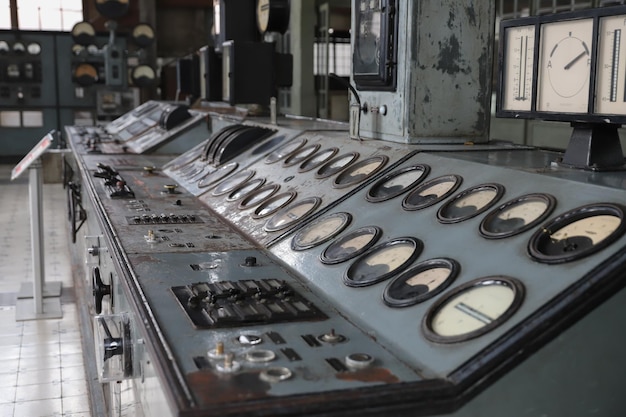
302,24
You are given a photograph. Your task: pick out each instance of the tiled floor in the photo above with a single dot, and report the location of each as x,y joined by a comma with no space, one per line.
41,364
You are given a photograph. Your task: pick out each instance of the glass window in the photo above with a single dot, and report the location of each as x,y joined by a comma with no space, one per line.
5,15
48,14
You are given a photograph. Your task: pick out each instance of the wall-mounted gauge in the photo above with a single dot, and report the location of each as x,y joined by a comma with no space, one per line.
19,48
33,48
232,183
85,74
382,261
431,192
245,189
112,9
292,214
302,154
273,204
272,15
142,35
4,47
470,203
396,183
285,150
320,231
473,309
350,245
423,281
318,159
258,196
83,33
217,175
143,76
578,233
336,165
517,215
360,171
518,73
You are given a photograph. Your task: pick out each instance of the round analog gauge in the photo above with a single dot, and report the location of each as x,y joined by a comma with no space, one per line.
431,192
396,183
272,15
382,261
19,48
577,233
320,231
318,159
143,75
83,33
4,47
351,245
33,48
292,214
213,177
273,204
473,309
299,156
232,183
423,281
92,49
245,189
284,151
360,171
143,35
258,196
186,158
517,215
336,165
470,203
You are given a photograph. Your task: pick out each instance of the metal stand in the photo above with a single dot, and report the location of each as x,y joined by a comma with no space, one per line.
43,301
594,147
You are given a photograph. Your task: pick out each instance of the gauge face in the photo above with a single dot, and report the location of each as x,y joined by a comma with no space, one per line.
470,203
565,66
258,196
421,282
473,309
292,214
213,177
272,205
382,262
517,216
4,47
285,150
318,159
320,231
577,233
33,48
518,68
19,48
431,192
360,171
300,155
245,189
232,183
610,97
396,183
336,165
351,245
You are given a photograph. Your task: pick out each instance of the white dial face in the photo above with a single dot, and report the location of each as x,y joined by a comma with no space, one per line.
565,66
595,228
472,309
431,278
438,189
391,257
293,214
271,206
527,211
477,199
320,231
518,71
610,97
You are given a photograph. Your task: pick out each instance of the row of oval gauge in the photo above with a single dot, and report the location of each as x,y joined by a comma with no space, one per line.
19,48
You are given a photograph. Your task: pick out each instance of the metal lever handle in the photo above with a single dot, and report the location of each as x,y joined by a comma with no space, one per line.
100,289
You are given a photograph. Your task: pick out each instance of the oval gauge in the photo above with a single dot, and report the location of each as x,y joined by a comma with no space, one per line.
266,146
360,171
382,261
193,172
470,203
517,215
33,48
185,159
320,231
473,309
318,159
245,189
336,165
273,204
351,245
219,174
19,48
431,192
301,154
4,47
292,214
396,183
577,233
284,151
233,182
423,281
258,196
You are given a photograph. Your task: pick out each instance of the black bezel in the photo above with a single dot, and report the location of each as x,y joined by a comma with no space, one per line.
269,227
226,187
278,154
326,170
259,183
346,219
222,172
307,164
569,217
537,21
297,158
384,78
338,182
444,178
448,263
245,202
289,195
484,224
375,231
417,250
424,169
518,297
441,213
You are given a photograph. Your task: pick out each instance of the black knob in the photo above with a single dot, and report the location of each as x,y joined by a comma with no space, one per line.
100,289
250,261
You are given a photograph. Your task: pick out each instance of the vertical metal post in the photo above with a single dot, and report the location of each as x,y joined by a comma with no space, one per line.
36,214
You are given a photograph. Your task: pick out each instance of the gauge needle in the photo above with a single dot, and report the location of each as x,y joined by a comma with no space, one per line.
573,61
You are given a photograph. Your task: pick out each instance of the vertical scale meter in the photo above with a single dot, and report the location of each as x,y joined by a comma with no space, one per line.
611,76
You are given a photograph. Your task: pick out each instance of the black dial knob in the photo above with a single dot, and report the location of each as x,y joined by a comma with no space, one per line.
100,289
